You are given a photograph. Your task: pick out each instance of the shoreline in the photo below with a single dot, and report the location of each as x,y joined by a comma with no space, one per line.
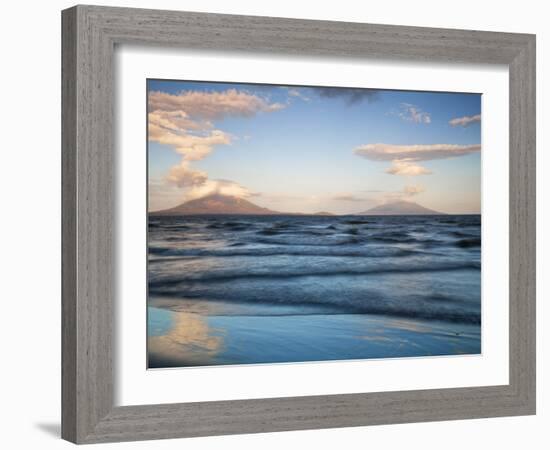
187,338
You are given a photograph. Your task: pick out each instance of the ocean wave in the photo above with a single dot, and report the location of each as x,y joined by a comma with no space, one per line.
463,234
307,241
357,222
171,254
378,265
232,226
269,232
468,243
303,302
231,275
169,227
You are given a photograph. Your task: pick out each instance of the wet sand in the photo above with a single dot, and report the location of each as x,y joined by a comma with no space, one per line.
183,337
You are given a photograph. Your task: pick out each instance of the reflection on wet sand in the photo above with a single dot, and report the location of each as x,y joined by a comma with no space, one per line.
190,334
427,337
190,341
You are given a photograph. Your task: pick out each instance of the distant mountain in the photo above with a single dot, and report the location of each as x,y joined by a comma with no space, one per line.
323,213
215,204
399,208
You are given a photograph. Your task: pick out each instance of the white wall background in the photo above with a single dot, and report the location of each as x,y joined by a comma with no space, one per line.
30,224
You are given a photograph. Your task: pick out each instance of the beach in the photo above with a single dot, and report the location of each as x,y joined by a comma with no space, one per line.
274,289
182,339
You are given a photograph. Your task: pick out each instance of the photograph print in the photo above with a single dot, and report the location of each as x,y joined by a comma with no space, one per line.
295,224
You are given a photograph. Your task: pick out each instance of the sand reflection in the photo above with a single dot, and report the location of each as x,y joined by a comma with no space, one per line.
189,342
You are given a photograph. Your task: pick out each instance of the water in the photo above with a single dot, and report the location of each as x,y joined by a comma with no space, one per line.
261,289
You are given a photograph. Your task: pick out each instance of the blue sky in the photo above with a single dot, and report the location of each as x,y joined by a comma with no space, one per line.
309,149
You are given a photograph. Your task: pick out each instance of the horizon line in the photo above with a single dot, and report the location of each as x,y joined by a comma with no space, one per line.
320,213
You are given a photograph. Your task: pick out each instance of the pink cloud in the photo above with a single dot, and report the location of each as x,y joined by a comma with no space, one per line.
211,105
184,122
182,176
191,147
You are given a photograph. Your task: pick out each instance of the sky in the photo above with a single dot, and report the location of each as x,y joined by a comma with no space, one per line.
311,149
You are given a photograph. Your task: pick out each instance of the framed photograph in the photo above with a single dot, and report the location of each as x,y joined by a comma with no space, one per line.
339,262
278,224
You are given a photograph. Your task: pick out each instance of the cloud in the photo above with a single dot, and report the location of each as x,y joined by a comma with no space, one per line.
222,187
298,93
183,121
352,96
465,121
167,192
403,167
192,147
173,116
182,176
390,152
403,157
176,121
211,105
412,113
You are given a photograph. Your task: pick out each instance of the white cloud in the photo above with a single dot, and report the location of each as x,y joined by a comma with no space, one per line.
412,113
222,187
406,168
165,193
390,152
465,121
294,92
403,157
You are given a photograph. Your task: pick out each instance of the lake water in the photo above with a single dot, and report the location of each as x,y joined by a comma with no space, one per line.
266,289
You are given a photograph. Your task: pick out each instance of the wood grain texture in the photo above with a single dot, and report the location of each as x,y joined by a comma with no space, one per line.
68,226
89,36
88,210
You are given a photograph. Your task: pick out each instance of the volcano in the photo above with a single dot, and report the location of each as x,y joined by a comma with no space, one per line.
215,204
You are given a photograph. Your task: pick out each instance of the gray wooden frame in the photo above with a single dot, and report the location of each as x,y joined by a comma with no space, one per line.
90,34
